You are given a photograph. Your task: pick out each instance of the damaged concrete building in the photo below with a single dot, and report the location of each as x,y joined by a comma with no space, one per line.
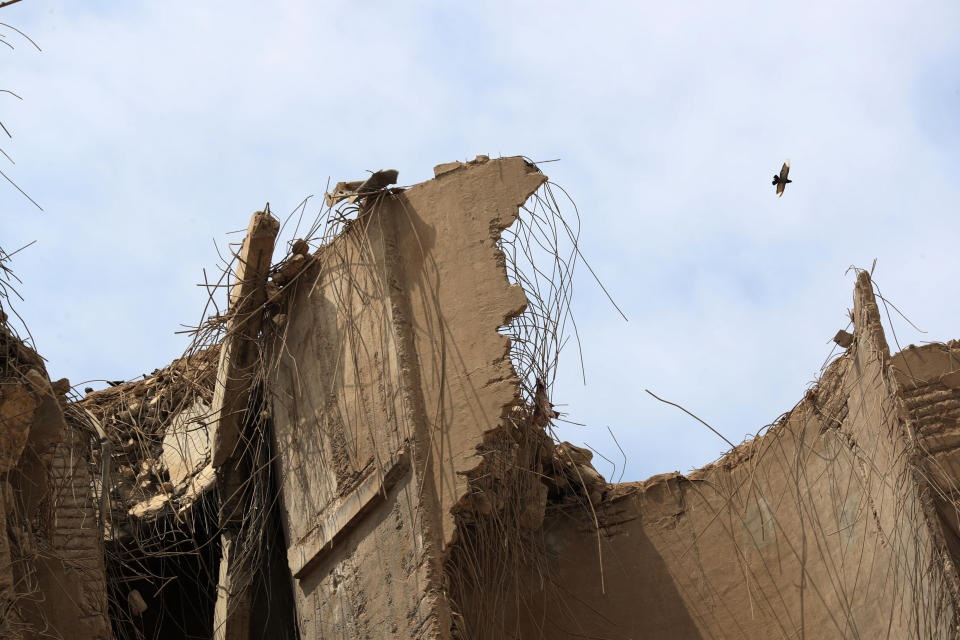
360,447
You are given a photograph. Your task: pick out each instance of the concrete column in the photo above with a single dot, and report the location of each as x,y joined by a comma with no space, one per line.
231,615
239,360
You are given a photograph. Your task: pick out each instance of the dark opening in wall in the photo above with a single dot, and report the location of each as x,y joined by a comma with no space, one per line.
174,570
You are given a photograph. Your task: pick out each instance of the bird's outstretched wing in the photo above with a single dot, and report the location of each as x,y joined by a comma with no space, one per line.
782,182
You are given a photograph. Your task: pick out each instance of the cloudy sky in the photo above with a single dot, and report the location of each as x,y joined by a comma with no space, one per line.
149,130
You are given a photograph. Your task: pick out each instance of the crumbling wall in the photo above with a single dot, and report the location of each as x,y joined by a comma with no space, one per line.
387,373
929,381
156,432
421,494
78,568
52,581
352,511
454,278
820,528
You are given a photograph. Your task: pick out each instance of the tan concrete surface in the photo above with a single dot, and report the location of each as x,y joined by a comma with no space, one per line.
336,389
390,342
454,276
239,353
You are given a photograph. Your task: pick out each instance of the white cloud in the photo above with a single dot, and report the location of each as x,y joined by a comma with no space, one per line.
147,130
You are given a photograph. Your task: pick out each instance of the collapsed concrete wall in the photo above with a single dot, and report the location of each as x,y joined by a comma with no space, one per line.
366,395
352,513
387,373
385,350
823,527
156,430
52,581
929,382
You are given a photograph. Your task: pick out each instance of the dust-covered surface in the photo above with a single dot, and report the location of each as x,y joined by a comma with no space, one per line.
52,581
336,391
386,346
929,381
453,275
158,441
151,485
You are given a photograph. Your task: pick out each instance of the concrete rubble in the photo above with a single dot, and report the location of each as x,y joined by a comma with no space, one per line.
358,448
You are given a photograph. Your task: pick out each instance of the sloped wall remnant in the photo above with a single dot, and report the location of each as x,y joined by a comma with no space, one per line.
822,527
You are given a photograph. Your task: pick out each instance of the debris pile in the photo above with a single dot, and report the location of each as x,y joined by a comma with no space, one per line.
157,437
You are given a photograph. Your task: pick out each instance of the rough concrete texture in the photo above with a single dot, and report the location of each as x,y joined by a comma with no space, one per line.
337,395
387,346
154,481
239,354
454,278
820,528
929,380
74,581
52,580
17,407
158,430
186,444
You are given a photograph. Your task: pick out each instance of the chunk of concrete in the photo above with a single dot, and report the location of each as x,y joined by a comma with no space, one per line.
843,339
17,407
446,167
150,507
186,444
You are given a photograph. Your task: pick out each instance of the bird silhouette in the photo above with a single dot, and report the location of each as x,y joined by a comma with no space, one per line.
781,180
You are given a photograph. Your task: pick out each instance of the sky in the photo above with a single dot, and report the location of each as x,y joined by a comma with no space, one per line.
147,131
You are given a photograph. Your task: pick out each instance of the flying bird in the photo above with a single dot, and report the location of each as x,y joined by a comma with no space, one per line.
781,180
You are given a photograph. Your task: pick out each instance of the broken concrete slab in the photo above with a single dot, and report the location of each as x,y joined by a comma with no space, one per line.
843,339
18,403
151,507
199,484
238,368
239,354
186,443
455,336
369,331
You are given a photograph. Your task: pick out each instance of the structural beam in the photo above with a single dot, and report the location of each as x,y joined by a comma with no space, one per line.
239,352
239,360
